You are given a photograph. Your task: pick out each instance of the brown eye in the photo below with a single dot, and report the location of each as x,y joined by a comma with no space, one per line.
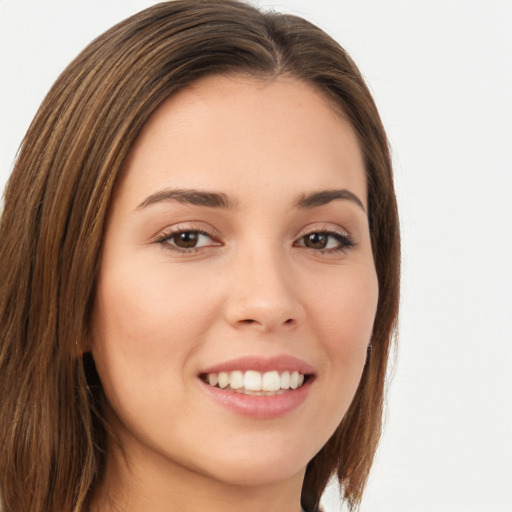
325,241
186,240
316,240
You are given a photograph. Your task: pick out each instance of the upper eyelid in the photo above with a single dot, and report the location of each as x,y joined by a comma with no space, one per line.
164,241
334,233
323,227
198,227
207,229
333,229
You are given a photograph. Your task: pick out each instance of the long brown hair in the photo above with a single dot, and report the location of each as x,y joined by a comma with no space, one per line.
52,439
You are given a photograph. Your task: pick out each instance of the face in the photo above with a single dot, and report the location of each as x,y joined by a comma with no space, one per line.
237,289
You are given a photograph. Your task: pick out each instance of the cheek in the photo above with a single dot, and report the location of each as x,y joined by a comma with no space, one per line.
141,344
148,323
346,309
130,334
149,312
345,315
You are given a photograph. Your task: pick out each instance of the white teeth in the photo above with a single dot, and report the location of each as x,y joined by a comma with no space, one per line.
252,382
213,379
236,380
223,379
285,380
294,380
271,381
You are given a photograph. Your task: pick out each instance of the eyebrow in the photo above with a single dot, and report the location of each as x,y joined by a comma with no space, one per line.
223,201
323,197
191,196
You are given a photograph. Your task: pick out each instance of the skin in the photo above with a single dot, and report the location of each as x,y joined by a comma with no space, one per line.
253,286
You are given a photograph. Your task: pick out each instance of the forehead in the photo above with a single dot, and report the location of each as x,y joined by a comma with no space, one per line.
231,131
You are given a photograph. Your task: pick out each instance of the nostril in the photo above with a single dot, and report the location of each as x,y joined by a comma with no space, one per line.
251,321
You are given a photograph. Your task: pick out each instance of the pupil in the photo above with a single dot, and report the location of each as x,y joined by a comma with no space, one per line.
316,240
187,240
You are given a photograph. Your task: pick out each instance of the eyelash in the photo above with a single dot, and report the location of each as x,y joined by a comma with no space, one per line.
166,238
344,240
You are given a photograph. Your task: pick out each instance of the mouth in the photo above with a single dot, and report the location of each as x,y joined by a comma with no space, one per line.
255,383
259,387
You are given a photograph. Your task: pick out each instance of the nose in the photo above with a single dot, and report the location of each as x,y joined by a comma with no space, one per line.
264,294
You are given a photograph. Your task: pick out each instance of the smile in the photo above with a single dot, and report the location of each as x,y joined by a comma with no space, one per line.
259,387
252,382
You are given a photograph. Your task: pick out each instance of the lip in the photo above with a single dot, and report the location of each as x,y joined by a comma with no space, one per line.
254,406
259,407
262,364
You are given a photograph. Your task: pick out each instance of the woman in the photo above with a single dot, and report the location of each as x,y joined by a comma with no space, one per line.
198,299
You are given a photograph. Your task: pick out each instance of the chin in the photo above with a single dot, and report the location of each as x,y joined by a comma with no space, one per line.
264,465
266,473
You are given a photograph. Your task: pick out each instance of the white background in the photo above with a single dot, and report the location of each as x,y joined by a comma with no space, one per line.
441,73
